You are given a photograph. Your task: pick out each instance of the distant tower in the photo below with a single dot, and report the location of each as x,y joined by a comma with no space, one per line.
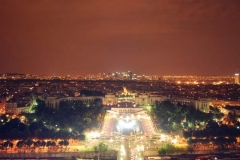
236,78
130,75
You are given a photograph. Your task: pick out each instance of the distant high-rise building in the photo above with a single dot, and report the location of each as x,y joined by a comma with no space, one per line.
236,78
124,75
134,76
130,75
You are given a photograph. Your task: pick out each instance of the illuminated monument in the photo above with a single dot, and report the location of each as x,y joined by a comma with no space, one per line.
127,121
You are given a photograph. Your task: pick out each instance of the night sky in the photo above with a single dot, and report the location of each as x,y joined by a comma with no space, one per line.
79,37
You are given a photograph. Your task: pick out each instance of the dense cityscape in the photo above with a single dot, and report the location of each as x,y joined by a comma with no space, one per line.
169,116
127,76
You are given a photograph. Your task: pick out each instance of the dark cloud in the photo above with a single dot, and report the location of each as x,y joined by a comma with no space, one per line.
150,37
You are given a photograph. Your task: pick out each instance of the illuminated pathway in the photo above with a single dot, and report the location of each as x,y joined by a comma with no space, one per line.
108,125
147,126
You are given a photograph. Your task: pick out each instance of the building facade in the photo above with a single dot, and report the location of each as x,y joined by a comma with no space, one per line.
202,104
54,102
146,99
11,107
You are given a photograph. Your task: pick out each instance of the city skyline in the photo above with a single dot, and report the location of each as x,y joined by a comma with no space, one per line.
115,74
149,37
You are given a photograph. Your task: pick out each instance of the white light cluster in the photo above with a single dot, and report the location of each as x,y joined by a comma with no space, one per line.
128,124
94,134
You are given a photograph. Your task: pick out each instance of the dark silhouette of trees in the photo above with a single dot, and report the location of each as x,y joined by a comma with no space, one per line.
20,144
48,144
60,143
65,143
212,125
29,142
43,144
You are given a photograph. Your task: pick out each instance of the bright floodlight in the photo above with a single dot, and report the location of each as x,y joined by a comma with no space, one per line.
94,134
121,123
124,124
130,124
127,118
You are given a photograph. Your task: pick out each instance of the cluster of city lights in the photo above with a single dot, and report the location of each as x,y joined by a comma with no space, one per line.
93,134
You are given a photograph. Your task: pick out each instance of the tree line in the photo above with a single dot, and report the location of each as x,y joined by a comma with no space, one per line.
176,117
70,120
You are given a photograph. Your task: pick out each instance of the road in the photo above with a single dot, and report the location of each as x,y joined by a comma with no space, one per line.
130,147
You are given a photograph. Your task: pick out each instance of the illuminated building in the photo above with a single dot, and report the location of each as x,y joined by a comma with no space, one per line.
145,99
236,78
2,106
202,104
130,75
125,75
11,107
108,99
134,76
14,107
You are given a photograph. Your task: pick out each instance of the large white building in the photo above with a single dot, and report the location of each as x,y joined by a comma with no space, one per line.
202,104
145,99
108,99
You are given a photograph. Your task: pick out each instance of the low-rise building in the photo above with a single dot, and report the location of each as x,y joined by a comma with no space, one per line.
202,104
145,99
110,99
11,107
15,107
54,102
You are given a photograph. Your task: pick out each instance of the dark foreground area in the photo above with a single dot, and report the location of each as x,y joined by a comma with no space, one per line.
33,158
90,155
210,156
